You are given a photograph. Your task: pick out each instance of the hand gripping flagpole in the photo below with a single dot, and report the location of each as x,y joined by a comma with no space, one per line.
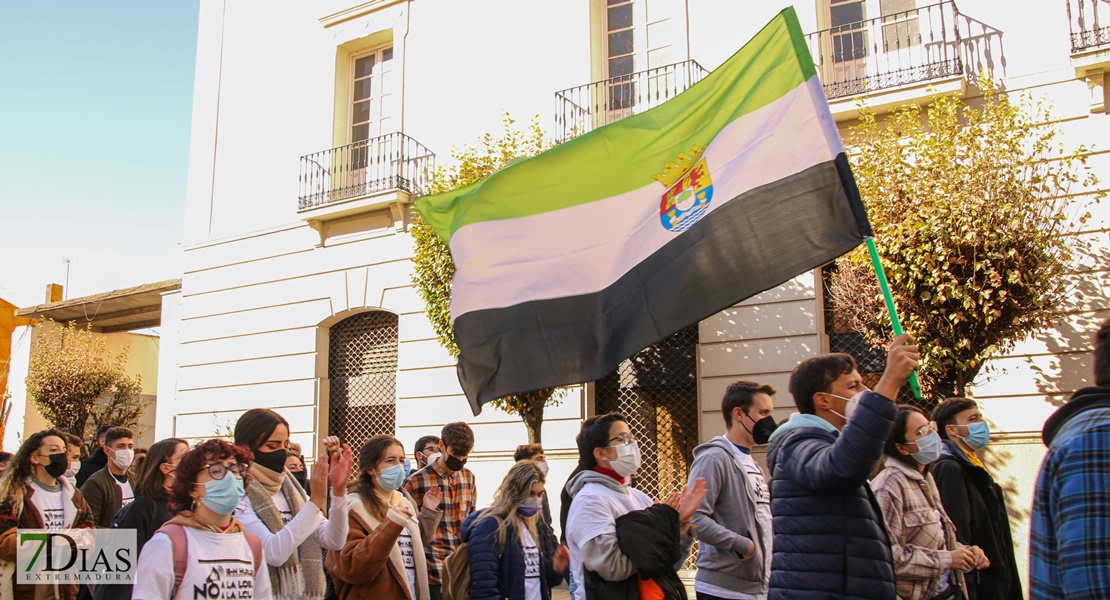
895,324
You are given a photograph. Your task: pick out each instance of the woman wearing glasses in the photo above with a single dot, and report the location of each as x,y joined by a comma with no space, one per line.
150,509
607,558
221,560
928,561
35,495
292,524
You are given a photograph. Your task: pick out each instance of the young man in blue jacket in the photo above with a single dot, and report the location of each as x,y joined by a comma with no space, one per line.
830,540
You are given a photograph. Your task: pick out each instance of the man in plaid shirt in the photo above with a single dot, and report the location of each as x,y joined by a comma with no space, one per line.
1069,545
460,495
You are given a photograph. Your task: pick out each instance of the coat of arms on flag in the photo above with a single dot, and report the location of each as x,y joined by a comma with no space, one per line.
687,200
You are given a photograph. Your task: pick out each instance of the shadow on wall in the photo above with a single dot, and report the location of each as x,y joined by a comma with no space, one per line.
1070,342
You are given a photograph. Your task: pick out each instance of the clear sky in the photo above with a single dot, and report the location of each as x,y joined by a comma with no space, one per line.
95,107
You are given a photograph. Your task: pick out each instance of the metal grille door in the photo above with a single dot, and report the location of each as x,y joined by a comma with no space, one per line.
657,391
362,369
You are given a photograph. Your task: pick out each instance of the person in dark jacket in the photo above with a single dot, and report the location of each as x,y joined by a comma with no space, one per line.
149,511
507,559
973,500
1068,552
830,540
97,461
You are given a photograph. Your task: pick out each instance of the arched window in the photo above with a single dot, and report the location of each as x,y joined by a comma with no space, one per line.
362,369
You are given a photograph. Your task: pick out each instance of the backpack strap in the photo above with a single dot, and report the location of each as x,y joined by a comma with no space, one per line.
256,550
180,543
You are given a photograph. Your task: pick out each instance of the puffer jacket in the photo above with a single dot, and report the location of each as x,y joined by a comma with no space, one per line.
830,540
497,572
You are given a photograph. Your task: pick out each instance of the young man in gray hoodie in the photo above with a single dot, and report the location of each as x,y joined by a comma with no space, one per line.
733,522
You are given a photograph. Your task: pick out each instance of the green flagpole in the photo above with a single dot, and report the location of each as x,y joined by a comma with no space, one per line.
895,324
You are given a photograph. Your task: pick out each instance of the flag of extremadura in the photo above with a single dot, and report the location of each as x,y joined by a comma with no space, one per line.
571,261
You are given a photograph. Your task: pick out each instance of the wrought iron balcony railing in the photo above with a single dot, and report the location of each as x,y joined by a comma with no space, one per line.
587,107
1087,31
389,162
901,48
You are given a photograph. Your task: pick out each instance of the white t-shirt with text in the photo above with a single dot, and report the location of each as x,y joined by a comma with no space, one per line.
126,493
594,512
219,566
51,505
533,568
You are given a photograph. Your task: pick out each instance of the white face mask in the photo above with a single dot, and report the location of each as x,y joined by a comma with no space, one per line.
542,466
74,467
123,458
432,458
628,459
849,408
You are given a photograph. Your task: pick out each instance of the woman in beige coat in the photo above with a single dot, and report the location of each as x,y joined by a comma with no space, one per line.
928,561
383,558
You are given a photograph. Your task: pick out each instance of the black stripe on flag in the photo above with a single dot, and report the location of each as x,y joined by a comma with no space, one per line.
753,243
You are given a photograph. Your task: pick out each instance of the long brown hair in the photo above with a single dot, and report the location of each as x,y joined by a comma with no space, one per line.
149,481
368,458
13,485
195,461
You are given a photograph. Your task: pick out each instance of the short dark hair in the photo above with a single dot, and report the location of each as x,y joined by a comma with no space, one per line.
256,426
117,433
740,394
593,434
947,411
458,436
71,440
1102,354
423,441
898,434
103,429
6,456
817,374
527,451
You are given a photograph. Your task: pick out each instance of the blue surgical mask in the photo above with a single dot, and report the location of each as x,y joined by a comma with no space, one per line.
978,435
928,449
223,495
392,478
529,507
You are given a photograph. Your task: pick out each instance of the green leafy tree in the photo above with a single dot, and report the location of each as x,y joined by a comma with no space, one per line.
77,384
434,268
973,211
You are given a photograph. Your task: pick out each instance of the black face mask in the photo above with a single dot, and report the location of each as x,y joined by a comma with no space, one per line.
274,461
58,464
761,432
299,476
453,463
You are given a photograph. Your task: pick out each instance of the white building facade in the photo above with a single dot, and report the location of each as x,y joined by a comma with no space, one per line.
315,124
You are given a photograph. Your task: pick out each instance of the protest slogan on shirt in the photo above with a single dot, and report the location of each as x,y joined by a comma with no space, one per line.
227,579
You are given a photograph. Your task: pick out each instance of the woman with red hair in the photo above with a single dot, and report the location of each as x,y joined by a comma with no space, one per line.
202,550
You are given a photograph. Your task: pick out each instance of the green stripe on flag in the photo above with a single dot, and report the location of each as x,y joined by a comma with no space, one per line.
625,155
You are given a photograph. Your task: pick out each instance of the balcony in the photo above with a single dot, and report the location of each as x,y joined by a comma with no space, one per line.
1087,32
383,172
932,46
587,107
1090,49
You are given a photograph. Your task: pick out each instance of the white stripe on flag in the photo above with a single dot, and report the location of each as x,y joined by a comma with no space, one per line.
586,248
